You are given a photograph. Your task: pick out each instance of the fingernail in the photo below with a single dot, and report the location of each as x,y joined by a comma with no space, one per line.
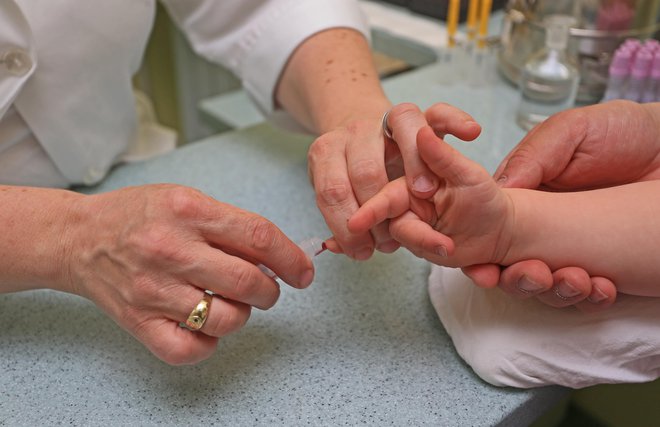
423,184
566,291
528,286
442,251
363,254
501,180
597,296
307,278
389,246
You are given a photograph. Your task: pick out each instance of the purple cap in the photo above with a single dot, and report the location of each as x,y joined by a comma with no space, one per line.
621,62
652,44
655,67
633,44
641,68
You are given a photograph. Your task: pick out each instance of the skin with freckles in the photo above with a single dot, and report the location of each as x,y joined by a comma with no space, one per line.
145,254
339,97
612,232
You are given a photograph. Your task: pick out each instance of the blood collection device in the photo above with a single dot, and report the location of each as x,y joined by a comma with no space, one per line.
312,247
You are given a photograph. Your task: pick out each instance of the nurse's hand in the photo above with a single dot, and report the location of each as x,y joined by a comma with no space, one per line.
350,164
597,146
145,255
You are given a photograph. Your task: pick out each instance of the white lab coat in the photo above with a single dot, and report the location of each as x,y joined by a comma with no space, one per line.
74,92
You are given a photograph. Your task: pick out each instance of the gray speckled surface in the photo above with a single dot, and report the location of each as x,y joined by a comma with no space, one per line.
362,345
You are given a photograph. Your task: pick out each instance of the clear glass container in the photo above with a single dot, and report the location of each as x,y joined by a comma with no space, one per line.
550,77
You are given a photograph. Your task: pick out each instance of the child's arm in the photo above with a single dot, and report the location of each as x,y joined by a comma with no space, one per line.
613,232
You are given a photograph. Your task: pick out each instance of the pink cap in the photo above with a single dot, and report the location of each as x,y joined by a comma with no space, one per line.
655,67
632,43
621,62
652,44
641,68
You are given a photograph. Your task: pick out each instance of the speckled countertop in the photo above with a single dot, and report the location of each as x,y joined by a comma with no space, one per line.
362,345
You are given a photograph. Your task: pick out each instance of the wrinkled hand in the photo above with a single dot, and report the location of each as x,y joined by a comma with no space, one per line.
349,165
597,146
146,254
591,147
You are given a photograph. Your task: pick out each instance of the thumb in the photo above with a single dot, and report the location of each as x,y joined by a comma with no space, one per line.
519,170
544,153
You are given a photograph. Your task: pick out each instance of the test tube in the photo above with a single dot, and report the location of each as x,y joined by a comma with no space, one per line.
448,57
618,73
641,69
652,89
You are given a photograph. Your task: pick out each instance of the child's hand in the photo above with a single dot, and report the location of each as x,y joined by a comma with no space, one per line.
467,221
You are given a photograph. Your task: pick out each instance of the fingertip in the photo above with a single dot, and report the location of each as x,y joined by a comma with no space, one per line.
603,292
359,222
307,278
388,247
483,275
424,186
470,131
332,245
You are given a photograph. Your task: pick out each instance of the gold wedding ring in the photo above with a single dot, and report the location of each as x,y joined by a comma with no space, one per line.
386,129
198,316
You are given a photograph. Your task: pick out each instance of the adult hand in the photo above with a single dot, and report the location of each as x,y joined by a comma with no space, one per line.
349,165
584,148
146,254
591,147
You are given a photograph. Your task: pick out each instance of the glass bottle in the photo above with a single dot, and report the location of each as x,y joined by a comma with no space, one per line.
550,77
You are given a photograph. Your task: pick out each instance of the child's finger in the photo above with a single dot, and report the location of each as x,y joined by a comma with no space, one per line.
404,120
422,239
391,201
483,275
446,119
446,162
603,295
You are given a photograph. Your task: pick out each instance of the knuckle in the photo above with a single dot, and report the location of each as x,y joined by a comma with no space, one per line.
154,243
261,233
404,112
367,173
141,293
320,148
184,202
244,282
334,193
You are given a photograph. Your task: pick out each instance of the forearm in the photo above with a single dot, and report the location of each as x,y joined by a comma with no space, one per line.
34,242
612,232
330,79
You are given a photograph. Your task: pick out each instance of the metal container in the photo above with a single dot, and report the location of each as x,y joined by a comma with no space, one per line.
602,25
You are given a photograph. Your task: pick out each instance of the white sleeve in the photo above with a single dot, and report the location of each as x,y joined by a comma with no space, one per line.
17,55
254,38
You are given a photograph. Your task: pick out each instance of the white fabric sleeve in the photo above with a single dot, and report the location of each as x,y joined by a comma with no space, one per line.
254,38
524,343
15,39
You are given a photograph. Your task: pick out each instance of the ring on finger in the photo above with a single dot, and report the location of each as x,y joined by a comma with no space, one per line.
386,129
198,315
